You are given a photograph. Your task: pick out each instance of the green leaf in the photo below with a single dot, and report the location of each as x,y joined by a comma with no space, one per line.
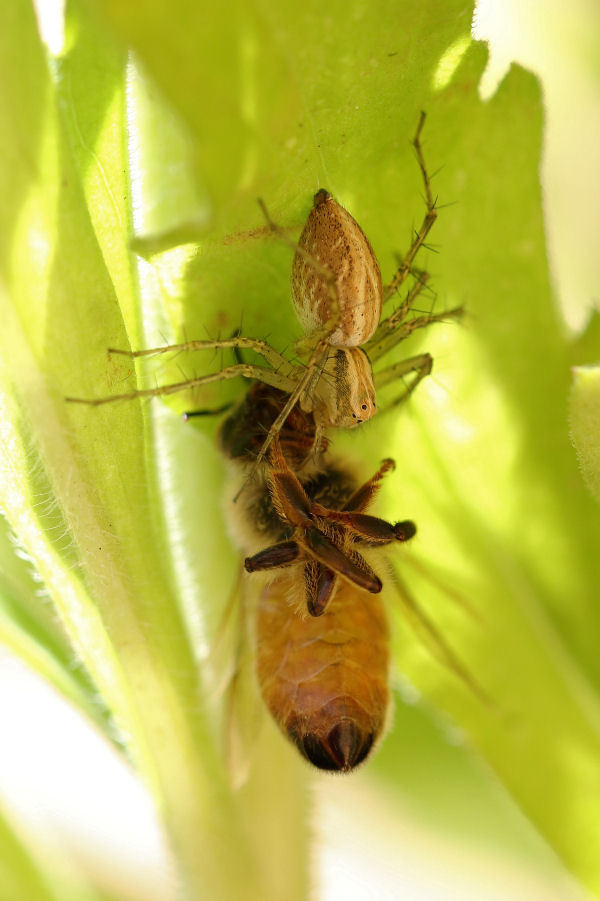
20,874
64,266
584,411
235,102
27,870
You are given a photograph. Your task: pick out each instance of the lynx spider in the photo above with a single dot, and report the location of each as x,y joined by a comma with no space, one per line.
317,384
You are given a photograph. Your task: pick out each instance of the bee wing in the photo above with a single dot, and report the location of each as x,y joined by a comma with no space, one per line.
243,711
231,681
443,586
430,636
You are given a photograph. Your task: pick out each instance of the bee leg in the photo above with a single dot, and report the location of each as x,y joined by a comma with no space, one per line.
349,565
294,506
282,554
316,546
320,584
289,497
363,496
370,529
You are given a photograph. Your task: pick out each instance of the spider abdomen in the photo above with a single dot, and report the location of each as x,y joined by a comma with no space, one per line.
333,238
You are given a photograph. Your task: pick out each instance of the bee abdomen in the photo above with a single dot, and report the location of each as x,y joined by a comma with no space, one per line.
344,746
325,680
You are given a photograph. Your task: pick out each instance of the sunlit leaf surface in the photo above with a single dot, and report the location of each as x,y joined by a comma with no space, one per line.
119,509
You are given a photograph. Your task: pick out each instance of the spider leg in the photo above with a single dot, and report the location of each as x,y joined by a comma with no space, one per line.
392,331
317,343
420,366
262,348
386,326
246,370
430,216
294,394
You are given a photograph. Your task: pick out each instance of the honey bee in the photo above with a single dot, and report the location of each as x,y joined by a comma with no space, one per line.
321,630
323,676
338,295
323,667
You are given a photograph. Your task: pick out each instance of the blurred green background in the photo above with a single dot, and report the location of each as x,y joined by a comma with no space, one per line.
135,141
